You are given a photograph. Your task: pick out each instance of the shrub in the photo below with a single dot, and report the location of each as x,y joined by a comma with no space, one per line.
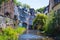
10,33
50,25
39,21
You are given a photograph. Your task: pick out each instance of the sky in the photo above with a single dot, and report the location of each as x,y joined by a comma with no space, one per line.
35,3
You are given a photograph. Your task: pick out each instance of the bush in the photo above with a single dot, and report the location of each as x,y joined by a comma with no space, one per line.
11,34
48,27
39,21
51,27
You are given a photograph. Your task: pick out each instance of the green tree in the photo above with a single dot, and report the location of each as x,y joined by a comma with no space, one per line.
26,5
50,25
15,1
19,3
39,21
51,28
40,10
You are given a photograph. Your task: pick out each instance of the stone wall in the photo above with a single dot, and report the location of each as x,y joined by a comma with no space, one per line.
5,21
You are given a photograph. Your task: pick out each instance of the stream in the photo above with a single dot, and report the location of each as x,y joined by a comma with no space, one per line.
34,35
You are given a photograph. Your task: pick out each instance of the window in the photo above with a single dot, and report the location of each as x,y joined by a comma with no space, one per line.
58,16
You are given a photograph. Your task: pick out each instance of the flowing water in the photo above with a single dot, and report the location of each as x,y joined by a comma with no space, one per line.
34,35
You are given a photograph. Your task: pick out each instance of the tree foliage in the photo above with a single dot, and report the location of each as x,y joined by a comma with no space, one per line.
10,33
49,26
19,3
39,21
26,5
40,10
15,1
